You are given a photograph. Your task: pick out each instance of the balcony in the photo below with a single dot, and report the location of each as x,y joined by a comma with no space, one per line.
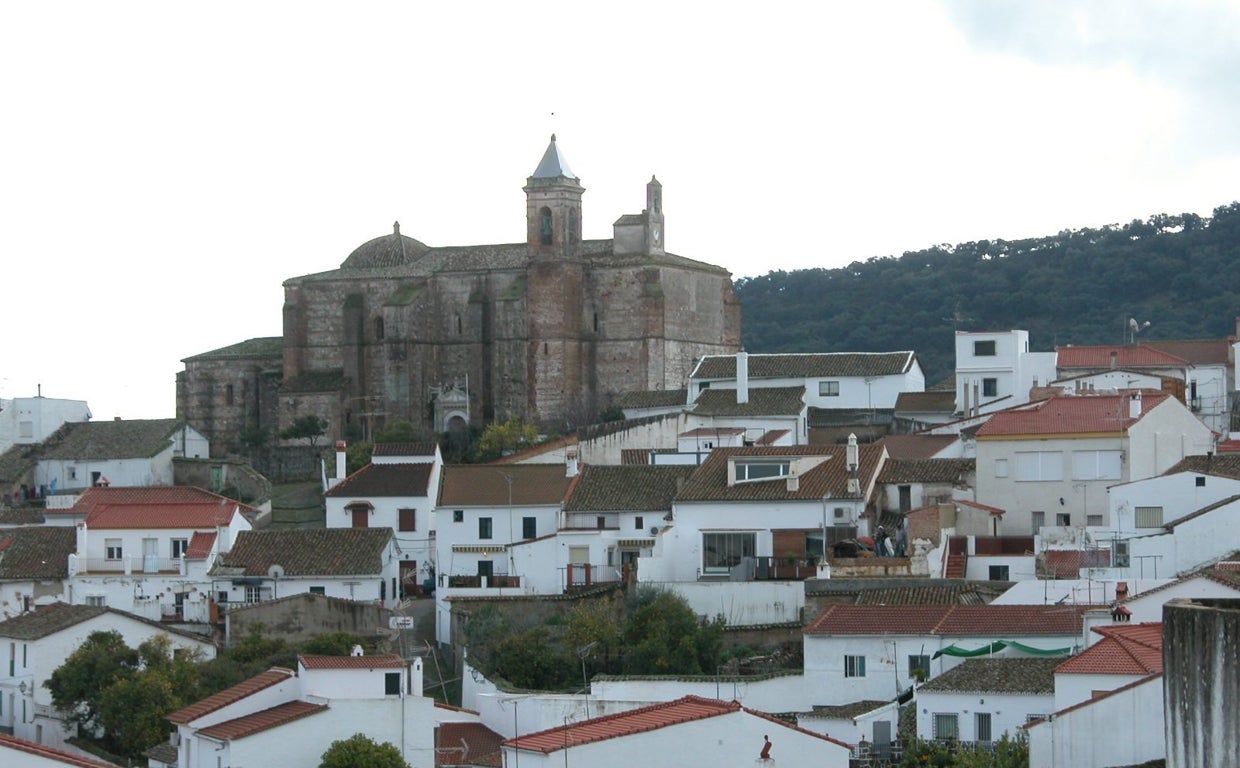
585,575
129,565
496,581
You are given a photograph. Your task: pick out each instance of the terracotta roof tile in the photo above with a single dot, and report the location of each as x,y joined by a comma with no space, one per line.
763,401
404,449
661,398
200,544
947,620
307,552
712,432
772,436
805,366
626,488
141,495
1067,563
1004,675
101,440
52,618
487,485
1140,356
847,711
927,402
376,661
248,725
635,457
916,446
37,553
1220,465
17,517
1196,351
17,462
207,515
385,480
45,754
466,743
1069,414
1125,649
829,479
927,470
242,690
266,346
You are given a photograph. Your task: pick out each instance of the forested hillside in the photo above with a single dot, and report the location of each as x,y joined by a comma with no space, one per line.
1181,273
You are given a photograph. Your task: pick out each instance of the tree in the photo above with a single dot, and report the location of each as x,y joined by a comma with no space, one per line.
360,751
403,431
664,636
333,644
509,437
308,427
78,686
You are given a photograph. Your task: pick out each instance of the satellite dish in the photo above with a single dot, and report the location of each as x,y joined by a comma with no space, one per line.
276,571
654,529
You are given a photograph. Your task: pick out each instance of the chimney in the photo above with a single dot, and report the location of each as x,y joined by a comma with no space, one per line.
794,482
742,377
964,406
1114,359
1121,590
340,460
570,461
851,457
357,651
1134,405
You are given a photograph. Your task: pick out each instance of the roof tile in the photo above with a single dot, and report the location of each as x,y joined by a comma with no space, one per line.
307,552
829,479
242,690
488,485
947,620
385,480
248,725
1004,675
763,401
1069,414
1125,649
637,488
805,366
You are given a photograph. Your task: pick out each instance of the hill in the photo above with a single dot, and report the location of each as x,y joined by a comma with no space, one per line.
1180,272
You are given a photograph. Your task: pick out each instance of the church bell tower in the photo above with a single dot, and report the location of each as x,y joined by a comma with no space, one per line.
553,207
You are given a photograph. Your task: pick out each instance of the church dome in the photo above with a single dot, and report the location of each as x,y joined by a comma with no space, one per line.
387,251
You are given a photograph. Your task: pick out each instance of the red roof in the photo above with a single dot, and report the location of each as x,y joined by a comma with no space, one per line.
1070,414
467,744
241,690
682,710
159,494
1067,563
947,620
983,507
1125,649
47,753
1124,356
162,516
712,432
248,725
200,544
378,661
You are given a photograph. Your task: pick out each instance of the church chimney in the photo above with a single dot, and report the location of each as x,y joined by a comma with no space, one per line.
742,377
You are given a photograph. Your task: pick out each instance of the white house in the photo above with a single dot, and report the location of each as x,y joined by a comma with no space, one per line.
984,699
910,483
688,731
1178,546
1211,379
291,718
152,557
359,564
995,369
399,489
123,453
745,510
28,754
855,652
1050,463
34,567
30,420
1126,653
1143,506
35,644
1142,358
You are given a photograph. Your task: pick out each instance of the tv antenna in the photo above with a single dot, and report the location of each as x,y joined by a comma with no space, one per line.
1135,328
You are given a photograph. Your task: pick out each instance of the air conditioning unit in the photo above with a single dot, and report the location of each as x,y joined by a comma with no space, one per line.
654,530
841,513
1119,554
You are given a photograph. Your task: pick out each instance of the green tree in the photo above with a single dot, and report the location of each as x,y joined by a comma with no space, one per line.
664,636
78,686
333,644
508,437
403,431
309,427
357,455
360,751
253,437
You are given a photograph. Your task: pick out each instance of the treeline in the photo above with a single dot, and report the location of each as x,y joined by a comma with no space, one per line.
1179,272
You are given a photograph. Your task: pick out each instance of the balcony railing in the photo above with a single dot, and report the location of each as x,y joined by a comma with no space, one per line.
497,581
129,565
581,575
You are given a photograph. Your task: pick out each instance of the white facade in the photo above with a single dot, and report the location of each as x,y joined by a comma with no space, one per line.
68,474
1174,496
30,420
1125,727
26,665
995,369
1004,713
1185,545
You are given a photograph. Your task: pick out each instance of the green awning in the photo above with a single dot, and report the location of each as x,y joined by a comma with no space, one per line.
999,645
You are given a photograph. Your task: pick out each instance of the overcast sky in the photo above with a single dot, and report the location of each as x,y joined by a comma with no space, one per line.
165,166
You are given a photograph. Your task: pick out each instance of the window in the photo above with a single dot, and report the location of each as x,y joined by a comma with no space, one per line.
1063,519
981,726
25,428
484,527
854,666
529,527
1201,482
761,470
828,389
723,551
1149,517
486,568
391,684
1039,520
1094,521
1039,466
600,522
112,549
999,573
1001,467
379,328
946,725
253,594
1031,718
545,228
179,547
407,519
990,387
72,472
458,515
229,395
637,523
919,666
1096,465
1119,554
318,590
984,348
98,601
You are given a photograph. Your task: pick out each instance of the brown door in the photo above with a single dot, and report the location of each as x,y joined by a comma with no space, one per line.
361,517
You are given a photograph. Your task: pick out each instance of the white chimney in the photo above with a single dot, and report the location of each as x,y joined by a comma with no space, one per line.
1134,405
357,651
794,482
570,461
852,458
742,377
340,461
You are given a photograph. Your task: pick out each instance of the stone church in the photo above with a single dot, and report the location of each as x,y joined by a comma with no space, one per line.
546,330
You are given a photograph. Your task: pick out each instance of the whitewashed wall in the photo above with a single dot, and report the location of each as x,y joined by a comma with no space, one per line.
1125,728
1008,711
742,603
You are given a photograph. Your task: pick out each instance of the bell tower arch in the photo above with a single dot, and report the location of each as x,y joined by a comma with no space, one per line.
553,207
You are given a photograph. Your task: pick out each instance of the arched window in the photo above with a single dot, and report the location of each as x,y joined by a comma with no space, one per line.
379,328
228,394
546,228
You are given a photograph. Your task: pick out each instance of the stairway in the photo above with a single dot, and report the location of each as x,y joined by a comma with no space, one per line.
955,567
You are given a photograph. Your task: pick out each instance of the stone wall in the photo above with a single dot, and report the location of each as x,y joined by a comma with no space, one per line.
298,618
1201,682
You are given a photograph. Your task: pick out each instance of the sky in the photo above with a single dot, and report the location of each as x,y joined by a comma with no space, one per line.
164,167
